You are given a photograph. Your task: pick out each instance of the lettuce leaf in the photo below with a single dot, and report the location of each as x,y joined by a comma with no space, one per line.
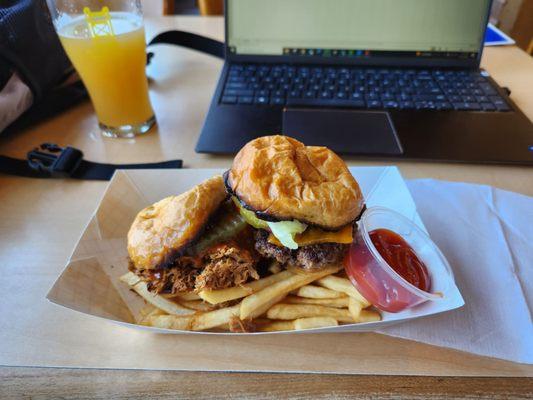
284,231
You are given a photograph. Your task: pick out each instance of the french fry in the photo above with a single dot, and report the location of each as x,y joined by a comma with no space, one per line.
223,327
147,312
341,302
259,302
343,285
222,295
130,279
198,305
274,267
187,296
295,311
355,307
275,326
182,323
317,292
215,318
369,316
141,288
314,322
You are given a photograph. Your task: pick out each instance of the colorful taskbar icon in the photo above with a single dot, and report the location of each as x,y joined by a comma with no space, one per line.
291,51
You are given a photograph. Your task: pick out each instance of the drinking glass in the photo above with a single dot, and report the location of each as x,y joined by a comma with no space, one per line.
104,40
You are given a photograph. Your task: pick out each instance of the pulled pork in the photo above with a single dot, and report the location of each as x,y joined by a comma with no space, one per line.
222,266
179,278
226,266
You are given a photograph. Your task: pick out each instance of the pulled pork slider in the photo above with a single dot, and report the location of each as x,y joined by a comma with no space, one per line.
302,200
193,241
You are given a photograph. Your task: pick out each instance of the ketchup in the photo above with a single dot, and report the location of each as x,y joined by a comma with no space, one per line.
401,257
376,283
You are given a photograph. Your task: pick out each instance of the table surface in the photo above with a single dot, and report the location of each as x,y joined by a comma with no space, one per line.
41,221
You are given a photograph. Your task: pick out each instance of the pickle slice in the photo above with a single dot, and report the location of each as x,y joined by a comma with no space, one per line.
249,216
228,226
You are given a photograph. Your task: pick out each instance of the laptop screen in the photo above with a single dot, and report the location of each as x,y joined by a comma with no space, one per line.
357,28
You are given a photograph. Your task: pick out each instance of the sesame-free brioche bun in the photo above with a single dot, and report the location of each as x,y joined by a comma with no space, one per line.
164,230
282,179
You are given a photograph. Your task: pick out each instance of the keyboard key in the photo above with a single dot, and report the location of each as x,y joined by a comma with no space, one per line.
466,106
295,94
425,105
236,78
500,104
236,85
455,99
407,105
487,106
429,97
245,100
325,94
405,97
387,97
374,104
229,99
391,104
443,105
487,88
277,100
238,92
261,100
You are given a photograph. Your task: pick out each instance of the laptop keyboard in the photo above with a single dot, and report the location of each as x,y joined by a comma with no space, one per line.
367,88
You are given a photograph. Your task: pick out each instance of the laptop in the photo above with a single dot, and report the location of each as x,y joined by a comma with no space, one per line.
381,79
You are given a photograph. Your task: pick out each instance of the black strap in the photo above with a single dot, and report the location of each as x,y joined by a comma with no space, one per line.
52,161
190,40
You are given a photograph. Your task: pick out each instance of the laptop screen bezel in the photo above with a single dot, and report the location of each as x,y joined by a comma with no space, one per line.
396,61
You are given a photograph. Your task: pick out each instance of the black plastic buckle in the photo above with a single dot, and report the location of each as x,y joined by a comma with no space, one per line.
55,161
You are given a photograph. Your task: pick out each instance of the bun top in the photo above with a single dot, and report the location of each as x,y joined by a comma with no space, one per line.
282,179
161,232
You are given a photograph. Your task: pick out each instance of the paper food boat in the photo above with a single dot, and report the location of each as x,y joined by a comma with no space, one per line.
90,282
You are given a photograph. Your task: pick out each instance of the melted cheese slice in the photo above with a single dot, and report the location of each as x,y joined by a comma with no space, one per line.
313,235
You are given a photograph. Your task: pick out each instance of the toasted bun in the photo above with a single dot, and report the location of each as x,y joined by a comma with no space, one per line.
281,178
162,231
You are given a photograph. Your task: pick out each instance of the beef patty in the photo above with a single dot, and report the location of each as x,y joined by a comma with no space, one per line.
311,257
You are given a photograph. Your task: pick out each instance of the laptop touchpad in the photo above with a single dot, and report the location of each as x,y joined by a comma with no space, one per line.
343,131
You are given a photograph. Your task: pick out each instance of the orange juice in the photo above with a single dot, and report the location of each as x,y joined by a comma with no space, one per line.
112,68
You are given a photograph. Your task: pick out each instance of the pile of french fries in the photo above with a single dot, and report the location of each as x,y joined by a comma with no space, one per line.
283,301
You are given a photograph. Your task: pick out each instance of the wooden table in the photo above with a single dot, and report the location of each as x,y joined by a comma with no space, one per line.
41,221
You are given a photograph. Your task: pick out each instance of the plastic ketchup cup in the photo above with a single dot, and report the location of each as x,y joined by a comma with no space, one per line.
413,254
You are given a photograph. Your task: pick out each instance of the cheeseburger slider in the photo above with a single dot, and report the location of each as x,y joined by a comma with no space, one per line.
301,200
193,241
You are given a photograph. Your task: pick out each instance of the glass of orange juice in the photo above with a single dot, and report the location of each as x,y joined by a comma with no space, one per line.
104,40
